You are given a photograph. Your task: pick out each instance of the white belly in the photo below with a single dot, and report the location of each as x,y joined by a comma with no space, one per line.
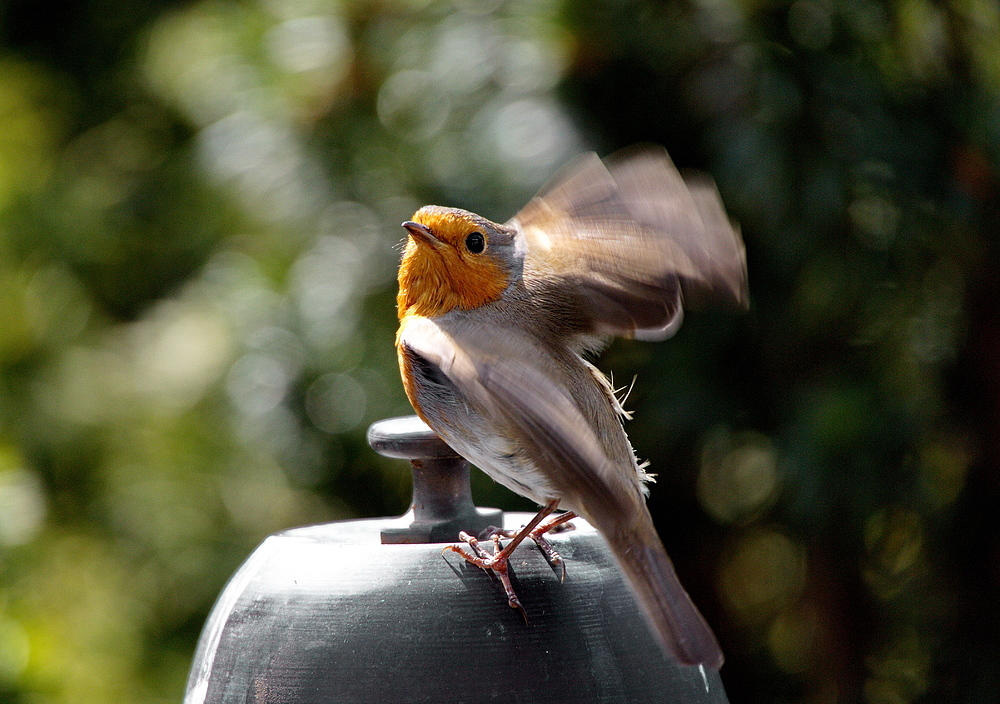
502,462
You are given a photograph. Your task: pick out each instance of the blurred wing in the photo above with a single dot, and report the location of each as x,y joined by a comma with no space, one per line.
633,239
502,377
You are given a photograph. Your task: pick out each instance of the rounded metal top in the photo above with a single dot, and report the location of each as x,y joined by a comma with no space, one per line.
325,614
407,438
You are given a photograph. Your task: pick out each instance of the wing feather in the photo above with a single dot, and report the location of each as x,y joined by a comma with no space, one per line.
632,238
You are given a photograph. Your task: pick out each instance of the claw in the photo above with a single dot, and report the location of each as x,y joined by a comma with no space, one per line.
515,603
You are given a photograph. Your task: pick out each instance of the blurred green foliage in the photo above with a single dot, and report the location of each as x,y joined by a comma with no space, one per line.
199,218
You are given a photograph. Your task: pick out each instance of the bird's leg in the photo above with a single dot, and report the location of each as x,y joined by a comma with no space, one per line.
556,523
560,522
498,562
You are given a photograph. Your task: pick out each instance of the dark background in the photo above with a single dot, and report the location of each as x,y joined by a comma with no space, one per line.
199,227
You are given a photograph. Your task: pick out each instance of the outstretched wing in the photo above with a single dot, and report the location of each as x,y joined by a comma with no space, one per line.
482,373
633,240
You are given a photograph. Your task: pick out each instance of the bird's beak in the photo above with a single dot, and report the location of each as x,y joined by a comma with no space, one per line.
421,233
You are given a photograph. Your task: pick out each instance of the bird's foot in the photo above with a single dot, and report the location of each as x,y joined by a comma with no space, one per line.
553,524
497,563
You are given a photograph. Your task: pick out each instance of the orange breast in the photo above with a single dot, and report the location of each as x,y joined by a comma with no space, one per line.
406,372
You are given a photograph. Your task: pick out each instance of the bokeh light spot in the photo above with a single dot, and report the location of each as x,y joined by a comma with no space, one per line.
894,541
308,43
944,461
257,383
898,670
529,137
22,502
765,570
738,475
875,220
15,649
411,105
791,638
336,403
180,350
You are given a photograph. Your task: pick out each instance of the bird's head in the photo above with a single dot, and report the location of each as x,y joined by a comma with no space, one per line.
453,259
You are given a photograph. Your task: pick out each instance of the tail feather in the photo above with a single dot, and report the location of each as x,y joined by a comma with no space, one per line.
680,627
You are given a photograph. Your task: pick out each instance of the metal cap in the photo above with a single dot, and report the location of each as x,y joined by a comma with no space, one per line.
442,498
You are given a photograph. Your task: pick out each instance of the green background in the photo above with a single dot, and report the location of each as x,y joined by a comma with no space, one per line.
199,229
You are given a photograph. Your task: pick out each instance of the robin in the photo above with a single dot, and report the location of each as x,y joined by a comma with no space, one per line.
495,321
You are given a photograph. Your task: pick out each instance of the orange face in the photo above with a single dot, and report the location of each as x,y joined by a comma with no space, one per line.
448,263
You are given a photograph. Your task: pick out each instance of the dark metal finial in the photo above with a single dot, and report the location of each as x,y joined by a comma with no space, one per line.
442,498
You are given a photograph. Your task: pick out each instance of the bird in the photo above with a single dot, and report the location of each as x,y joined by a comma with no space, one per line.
497,323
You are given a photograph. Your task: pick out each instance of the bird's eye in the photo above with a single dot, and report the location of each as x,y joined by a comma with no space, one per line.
475,242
